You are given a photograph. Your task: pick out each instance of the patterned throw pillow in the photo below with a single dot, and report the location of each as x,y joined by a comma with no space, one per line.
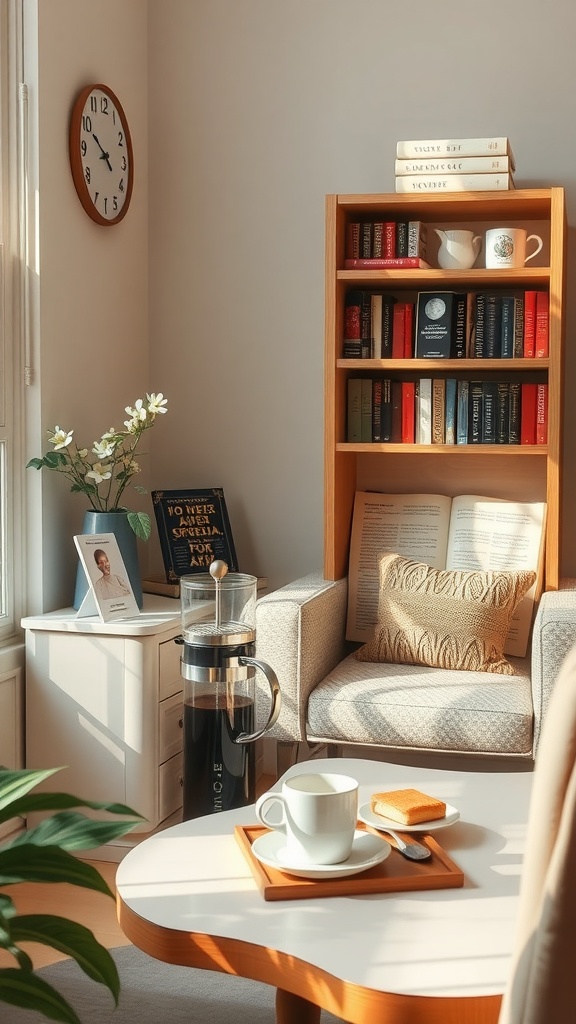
444,618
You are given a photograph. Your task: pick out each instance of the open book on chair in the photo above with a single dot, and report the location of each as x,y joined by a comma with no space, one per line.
467,532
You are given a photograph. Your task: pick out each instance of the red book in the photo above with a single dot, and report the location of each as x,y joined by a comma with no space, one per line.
408,411
398,321
389,240
541,414
528,400
398,263
409,331
541,348
377,239
529,324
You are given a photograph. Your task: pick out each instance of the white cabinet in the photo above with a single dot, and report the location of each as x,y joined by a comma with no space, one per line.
104,700
11,719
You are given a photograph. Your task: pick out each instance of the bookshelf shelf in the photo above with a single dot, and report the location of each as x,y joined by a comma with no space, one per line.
517,472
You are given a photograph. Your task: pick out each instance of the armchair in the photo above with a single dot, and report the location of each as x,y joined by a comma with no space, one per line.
410,712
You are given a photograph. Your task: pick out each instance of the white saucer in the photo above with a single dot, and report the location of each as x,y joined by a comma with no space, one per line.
367,851
379,821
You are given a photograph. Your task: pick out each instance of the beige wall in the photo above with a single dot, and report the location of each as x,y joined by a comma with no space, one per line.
247,113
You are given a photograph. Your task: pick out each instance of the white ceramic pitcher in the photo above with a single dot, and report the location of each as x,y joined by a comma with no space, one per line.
458,249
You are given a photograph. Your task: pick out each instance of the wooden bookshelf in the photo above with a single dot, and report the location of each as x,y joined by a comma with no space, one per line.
517,472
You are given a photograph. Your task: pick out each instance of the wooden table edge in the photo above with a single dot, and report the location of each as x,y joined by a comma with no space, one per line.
302,989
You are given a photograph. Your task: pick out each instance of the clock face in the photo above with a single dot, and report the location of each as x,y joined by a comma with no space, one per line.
101,154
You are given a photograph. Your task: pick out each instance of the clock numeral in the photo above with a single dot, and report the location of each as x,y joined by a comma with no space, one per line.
123,164
121,185
120,138
83,147
104,104
115,202
87,174
93,104
96,194
86,123
105,204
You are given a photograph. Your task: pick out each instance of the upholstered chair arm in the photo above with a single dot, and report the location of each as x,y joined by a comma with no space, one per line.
300,632
553,635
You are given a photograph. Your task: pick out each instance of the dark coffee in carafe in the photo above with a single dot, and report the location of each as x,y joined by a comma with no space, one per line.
221,771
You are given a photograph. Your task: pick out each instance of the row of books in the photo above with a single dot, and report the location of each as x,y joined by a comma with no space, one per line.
437,410
454,165
446,325
382,244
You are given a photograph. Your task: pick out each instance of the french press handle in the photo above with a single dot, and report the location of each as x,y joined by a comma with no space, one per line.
248,737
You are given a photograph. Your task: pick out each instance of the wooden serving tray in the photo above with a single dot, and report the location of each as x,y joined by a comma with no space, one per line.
394,874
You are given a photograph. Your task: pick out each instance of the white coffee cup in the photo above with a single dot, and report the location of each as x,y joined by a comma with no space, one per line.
506,247
319,813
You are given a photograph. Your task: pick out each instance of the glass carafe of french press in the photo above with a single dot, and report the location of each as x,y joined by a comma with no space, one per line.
219,669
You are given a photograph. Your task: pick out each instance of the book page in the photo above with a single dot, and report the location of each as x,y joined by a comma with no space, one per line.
412,525
490,533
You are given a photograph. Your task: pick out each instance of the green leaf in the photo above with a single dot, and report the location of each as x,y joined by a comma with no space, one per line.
72,831
35,464
30,863
140,523
54,459
75,941
14,784
23,988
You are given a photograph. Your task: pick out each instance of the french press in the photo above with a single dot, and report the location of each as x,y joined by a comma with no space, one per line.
218,665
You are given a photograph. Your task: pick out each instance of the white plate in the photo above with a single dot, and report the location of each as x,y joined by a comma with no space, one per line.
367,851
379,821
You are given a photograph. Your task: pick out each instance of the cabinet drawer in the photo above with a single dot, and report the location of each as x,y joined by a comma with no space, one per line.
170,731
170,678
170,786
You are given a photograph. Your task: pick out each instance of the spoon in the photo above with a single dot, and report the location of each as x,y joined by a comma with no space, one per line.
410,848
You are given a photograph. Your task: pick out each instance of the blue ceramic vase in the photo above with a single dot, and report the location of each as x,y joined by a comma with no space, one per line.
116,523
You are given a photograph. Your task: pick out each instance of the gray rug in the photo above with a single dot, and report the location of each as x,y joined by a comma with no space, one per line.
157,993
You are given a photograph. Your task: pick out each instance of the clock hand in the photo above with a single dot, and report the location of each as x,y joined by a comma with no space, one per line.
103,154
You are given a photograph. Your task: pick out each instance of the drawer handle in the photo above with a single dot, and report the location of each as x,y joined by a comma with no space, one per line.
181,782
180,723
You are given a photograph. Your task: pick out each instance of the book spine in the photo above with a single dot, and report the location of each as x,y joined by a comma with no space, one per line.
541,347
518,326
386,410
438,410
353,240
502,411
366,239
387,310
424,411
389,240
392,263
352,348
377,239
450,414
541,414
417,238
453,182
462,412
514,413
408,411
507,327
354,411
409,330
366,324
366,410
440,148
528,397
398,322
376,325
377,409
489,400
457,165
479,322
529,324
492,326
475,412
396,412
459,328
470,324
402,239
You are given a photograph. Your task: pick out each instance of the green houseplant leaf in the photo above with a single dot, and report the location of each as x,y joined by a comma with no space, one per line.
43,854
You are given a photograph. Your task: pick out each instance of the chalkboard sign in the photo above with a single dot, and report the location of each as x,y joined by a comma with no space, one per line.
194,529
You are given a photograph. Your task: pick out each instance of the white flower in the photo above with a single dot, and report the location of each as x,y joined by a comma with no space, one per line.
103,448
61,438
98,473
155,403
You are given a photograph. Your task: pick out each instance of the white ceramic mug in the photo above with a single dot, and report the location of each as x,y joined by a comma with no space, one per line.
319,813
506,247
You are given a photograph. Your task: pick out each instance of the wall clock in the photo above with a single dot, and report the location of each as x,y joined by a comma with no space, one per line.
101,154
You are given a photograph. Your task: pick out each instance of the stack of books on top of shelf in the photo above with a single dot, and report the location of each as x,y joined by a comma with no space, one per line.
454,165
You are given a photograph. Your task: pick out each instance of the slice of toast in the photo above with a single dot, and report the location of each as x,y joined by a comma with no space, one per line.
407,806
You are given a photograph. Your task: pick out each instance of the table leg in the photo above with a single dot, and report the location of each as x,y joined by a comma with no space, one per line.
291,1009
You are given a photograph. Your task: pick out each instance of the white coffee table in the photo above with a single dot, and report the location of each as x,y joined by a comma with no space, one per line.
187,896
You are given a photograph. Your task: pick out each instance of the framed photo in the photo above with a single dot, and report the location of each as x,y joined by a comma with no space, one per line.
110,595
